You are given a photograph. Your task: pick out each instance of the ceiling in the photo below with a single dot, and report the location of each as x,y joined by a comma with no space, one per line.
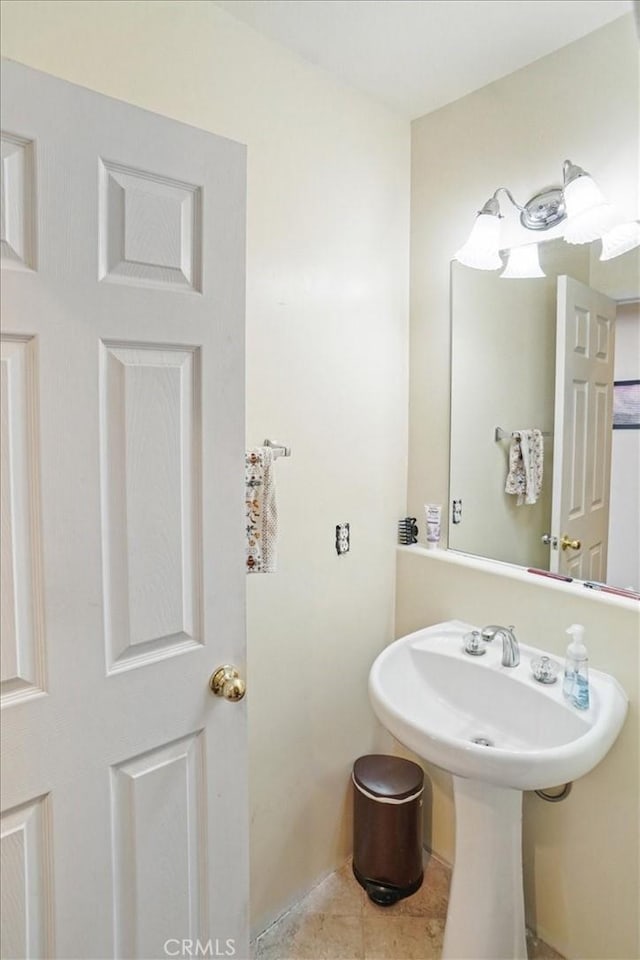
417,55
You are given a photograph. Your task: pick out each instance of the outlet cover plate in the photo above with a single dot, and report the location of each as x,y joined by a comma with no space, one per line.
343,539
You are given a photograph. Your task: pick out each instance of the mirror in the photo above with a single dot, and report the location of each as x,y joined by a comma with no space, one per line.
503,375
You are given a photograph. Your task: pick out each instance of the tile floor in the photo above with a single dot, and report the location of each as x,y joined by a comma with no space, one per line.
337,921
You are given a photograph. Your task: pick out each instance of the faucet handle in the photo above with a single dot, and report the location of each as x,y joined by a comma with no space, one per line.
473,644
545,670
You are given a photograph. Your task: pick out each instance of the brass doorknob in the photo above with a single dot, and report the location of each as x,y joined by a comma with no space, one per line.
226,682
567,544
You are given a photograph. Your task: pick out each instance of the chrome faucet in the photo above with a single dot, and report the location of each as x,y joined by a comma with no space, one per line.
510,648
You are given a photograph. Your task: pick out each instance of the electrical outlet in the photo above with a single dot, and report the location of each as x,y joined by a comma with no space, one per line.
343,538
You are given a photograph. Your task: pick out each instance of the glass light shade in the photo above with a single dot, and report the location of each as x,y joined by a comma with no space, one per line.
481,250
620,240
523,263
588,213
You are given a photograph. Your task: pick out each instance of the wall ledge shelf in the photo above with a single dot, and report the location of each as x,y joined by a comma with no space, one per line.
511,572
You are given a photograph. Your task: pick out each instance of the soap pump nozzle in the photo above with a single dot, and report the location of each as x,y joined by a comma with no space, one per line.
577,648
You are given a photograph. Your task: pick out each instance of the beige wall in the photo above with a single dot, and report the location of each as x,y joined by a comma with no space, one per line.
582,885
327,306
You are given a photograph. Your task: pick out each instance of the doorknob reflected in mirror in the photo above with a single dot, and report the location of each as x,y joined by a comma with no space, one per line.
227,683
567,544
549,540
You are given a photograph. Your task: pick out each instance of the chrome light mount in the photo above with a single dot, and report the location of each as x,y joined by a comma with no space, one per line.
544,210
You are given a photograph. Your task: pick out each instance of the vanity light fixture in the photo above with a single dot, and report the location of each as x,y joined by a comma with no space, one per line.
523,263
482,249
621,239
589,215
579,202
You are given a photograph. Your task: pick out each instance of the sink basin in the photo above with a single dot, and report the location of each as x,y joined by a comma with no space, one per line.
437,699
499,732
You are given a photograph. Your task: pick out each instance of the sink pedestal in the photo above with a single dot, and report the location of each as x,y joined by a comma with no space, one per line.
485,919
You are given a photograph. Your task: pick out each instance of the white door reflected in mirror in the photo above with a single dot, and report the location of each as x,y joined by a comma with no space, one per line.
585,343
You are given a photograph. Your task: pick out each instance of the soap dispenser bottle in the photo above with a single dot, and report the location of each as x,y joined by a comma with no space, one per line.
576,671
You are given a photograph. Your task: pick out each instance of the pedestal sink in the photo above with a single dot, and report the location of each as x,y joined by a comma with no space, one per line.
499,732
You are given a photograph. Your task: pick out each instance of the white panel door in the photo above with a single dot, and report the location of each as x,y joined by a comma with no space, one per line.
124,790
582,431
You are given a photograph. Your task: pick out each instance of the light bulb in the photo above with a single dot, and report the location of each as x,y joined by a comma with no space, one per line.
523,263
620,240
481,251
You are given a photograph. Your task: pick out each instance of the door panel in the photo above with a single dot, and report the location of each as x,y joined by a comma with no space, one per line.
25,881
151,508
22,654
123,356
150,229
17,233
582,432
170,836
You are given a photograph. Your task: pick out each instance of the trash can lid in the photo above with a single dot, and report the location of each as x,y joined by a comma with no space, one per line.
387,776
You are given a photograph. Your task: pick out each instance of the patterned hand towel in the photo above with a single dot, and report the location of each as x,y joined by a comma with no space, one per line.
526,456
261,511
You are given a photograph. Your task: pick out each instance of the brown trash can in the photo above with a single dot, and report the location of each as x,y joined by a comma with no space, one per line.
387,827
